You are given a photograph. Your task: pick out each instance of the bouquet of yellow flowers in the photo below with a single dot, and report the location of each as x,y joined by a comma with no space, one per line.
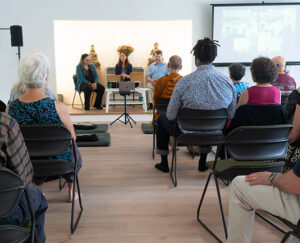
125,49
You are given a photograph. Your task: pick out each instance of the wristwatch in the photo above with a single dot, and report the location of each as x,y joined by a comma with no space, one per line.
271,177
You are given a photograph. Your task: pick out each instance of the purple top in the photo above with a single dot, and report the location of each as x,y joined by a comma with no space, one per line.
285,82
263,95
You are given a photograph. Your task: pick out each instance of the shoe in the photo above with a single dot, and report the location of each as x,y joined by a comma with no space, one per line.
86,108
162,167
150,106
98,107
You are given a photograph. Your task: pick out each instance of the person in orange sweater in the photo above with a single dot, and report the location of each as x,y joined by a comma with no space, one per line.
163,87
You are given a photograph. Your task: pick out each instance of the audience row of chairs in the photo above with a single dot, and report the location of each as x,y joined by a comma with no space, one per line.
251,149
41,141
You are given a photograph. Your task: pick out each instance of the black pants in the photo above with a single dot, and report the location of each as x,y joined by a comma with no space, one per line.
21,214
87,90
165,129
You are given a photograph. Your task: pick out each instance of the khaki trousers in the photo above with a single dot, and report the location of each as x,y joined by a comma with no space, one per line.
150,86
245,199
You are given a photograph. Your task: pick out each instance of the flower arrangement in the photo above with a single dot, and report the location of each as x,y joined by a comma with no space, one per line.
125,49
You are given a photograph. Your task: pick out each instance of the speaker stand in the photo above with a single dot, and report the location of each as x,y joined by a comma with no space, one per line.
19,52
127,117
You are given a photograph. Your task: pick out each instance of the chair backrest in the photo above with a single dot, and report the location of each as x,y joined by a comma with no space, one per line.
201,120
258,142
11,187
161,105
46,140
258,115
75,79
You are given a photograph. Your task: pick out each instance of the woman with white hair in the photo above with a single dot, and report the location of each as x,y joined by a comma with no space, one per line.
19,89
35,108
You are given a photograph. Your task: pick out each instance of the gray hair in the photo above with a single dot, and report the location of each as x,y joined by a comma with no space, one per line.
33,70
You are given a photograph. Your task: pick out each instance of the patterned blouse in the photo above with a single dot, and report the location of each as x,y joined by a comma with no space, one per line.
38,112
204,89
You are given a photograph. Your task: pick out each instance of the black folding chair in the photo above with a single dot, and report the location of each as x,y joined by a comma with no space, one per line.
207,128
75,80
11,188
47,140
160,106
91,99
252,149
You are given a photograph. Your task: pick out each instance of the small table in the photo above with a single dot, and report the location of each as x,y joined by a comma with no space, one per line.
109,102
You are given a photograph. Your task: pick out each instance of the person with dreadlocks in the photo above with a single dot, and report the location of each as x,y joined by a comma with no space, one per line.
203,89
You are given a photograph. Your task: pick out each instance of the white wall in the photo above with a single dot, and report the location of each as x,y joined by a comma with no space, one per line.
69,45
37,18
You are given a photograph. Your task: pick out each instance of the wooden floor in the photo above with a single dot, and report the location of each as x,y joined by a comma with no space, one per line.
126,200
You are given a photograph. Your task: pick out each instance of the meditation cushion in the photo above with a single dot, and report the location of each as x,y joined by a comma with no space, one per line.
100,128
103,139
147,128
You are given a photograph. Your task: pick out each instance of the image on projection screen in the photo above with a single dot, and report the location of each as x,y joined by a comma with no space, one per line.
246,32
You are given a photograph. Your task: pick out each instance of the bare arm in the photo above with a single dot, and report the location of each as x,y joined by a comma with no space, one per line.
243,98
65,117
288,182
150,80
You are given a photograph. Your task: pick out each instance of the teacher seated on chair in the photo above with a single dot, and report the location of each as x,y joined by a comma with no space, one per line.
123,67
87,81
34,107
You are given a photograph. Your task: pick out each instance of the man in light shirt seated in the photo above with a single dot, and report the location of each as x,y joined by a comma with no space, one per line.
203,89
156,70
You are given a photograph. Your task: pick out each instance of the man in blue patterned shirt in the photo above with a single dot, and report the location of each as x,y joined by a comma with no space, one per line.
237,72
203,89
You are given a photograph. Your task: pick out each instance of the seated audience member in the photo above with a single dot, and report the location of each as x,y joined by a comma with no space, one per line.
204,89
123,67
276,193
19,89
2,106
263,72
14,156
284,82
35,108
164,86
292,102
87,81
293,153
156,70
237,72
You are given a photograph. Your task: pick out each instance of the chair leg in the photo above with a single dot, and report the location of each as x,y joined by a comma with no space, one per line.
153,146
270,223
74,100
285,238
76,184
174,165
60,184
220,204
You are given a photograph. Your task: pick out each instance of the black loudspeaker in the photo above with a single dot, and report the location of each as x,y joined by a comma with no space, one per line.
16,35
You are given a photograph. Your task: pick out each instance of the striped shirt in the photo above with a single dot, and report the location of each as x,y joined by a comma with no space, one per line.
13,151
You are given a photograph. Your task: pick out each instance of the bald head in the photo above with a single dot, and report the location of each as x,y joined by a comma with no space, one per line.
280,63
175,63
